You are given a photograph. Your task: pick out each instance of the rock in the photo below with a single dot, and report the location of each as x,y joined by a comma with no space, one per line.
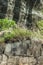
0,58
36,48
8,48
27,61
40,60
19,60
25,48
16,48
42,50
21,48
4,60
1,49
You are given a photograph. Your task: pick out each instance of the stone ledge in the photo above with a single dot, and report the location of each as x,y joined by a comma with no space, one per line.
19,60
26,48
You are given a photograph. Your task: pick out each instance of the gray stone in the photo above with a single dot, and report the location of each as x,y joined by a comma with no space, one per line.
8,48
35,48
40,60
21,48
27,61
1,49
0,58
25,48
4,60
42,50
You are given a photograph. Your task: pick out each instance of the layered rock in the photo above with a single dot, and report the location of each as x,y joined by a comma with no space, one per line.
29,52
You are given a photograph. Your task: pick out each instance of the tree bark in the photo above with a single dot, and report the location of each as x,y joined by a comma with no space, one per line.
10,8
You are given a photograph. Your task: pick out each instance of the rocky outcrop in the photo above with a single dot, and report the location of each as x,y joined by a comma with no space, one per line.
29,52
15,60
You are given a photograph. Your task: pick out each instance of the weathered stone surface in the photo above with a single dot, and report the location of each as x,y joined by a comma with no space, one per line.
19,48
27,61
0,58
1,49
8,48
16,60
4,60
25,48
42,50
36,48
25,52
40,60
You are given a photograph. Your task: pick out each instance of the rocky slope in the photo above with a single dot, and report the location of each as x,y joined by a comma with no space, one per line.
29,52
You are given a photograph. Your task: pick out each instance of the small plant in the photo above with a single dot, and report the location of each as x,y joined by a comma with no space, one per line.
6,24
40,24
17,32
1,39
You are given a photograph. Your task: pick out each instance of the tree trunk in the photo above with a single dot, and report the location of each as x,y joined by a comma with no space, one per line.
22,15
11,4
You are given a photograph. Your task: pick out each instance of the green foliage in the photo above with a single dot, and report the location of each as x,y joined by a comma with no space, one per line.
1,39
42,11
6,24
17,33
8,36
40,24
41,32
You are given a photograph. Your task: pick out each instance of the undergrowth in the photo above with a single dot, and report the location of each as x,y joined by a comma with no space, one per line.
17,32
40,25
6,24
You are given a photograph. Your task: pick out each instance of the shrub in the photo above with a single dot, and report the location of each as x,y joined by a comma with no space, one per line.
6,24
17,32
40,24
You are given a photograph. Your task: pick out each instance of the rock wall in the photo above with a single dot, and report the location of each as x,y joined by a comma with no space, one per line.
26,52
